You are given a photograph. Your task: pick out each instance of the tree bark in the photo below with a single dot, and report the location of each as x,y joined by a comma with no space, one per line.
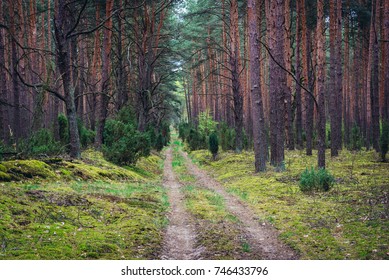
375,108
103,97
259,133
277,83
320,77
236,70
62,23
332,96
298,122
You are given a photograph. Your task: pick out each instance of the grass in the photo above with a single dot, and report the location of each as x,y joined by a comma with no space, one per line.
219,232
351,221
118,215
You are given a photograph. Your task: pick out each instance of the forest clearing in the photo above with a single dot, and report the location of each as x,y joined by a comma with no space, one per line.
194,130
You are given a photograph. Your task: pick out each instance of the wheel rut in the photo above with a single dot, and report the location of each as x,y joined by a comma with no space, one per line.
263,238
180,236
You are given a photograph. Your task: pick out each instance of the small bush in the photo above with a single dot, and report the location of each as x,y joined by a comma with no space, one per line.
206,124
227,137
63,128
40,142
213,144
87,136
384,140
195,140
184,130
159,143
123,144
316,180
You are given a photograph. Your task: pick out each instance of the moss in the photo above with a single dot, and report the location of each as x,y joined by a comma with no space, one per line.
151,164
82,221
5,177
348,222
29,169
3,168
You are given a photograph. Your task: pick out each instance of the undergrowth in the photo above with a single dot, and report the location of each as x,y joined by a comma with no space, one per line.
350,221
86,209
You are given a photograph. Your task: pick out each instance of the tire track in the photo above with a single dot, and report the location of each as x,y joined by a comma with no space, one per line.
262,237
180,236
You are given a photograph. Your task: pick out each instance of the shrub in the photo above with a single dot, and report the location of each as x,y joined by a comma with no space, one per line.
227,137
87,136
384,140
63,129
184,130
316,180
206,124
213,144
165,131
123,144
41,142
195,140
159,143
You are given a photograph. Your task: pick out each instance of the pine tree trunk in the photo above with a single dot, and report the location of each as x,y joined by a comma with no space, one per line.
307,78
3,81
298,122
332,96
320,77
346,80
339,84
62,24
385,60
259,133
288,87
375,109
236,68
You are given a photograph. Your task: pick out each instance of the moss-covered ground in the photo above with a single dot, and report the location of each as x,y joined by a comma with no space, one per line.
351,221
85,209
218,231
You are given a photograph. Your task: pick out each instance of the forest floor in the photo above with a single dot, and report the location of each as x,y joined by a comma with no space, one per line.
206,222
351,221
192,207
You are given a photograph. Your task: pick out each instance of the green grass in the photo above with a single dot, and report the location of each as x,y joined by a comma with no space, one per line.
219,232
90,209
351,221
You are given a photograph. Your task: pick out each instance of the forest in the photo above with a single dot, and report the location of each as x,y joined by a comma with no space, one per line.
194,129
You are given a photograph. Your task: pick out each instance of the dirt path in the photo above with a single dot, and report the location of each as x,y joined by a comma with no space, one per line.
179,240
262,237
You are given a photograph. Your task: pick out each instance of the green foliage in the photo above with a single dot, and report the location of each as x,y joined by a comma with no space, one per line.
123,144
159,143
87,136
384,140
227,137
63,128
213,144
206,123
40,142
316,180
356,138
246,141
165,131
184,130
196,141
